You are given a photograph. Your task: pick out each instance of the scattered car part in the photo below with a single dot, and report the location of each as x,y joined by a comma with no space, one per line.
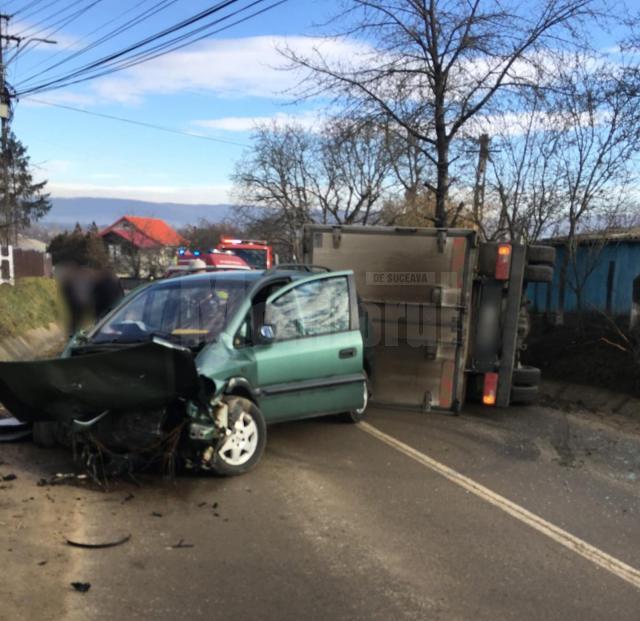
98,544
81,587
181,544
11,429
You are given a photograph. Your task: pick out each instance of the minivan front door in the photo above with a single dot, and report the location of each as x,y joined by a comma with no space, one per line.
313,364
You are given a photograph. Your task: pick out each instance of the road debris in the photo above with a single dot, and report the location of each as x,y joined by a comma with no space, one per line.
9,477
11,429
181,544
156,514
98,544
81,587
127,498
61,478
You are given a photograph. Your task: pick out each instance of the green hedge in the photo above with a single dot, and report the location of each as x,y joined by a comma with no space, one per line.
30,303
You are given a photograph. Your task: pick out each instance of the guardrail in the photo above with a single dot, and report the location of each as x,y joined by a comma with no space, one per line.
7,271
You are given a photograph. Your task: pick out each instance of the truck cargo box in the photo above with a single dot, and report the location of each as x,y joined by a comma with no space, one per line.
415,285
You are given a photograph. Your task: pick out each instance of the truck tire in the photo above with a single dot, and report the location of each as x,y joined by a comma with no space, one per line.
538,273
541,254
243,449
526,376
524,395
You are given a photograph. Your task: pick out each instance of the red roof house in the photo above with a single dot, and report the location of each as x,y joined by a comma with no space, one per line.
143,233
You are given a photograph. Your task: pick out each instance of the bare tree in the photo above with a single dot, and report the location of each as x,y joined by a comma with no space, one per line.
525,196
599,103
430,66
292,176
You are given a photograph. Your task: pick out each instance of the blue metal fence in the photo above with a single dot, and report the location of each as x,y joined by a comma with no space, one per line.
608,273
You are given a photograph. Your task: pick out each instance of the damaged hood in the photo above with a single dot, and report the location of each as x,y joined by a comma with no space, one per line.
148,375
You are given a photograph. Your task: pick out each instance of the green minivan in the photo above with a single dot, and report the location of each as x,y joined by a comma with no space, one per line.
193,369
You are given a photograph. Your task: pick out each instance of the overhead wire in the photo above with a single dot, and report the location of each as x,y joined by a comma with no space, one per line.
57,26
134,21
132,47
27,6
146,55
112,117
38,10
32,29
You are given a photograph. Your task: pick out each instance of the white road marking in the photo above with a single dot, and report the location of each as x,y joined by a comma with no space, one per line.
577,545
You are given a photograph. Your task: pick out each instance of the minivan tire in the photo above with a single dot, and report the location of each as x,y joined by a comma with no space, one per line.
355,416
252,434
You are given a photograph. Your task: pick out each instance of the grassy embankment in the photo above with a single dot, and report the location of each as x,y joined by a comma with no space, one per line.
30,303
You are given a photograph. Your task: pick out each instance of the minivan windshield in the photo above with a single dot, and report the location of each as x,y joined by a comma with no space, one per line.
187,312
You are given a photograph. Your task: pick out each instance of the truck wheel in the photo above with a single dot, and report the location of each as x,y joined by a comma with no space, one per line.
524,395
44,434
541,254
243,448
355,416
526,376
538,273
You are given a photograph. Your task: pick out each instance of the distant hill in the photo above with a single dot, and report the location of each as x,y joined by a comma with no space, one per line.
103,211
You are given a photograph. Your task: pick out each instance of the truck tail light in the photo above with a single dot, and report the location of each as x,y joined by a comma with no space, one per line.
490,388
503,262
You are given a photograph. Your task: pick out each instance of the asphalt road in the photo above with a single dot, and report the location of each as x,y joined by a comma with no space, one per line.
336,524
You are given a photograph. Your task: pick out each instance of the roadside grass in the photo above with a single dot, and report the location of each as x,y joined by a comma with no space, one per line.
30,303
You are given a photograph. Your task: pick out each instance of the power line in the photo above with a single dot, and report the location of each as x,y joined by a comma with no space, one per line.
38,10
148,54
58,25
162,128
44,23
131,23
28,6
115,55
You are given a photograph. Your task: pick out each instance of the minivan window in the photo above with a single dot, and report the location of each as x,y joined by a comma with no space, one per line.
311,309
190,313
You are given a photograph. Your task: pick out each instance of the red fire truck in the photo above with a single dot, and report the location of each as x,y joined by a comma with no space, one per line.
257,253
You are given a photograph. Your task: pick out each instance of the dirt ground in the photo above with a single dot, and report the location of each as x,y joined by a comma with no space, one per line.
581,355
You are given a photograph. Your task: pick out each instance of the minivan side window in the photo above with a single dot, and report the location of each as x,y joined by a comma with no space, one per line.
311,309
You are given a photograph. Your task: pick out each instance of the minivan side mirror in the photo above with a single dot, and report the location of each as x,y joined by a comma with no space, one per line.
268,333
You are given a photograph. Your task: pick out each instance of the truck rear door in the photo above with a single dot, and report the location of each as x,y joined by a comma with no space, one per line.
415,285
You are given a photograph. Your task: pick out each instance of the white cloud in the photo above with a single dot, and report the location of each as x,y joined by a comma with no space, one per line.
308,120
190,195
250,66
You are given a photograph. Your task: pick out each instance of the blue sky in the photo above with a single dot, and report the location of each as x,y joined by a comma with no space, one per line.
218,87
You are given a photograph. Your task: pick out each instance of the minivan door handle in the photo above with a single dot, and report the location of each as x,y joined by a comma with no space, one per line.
347,353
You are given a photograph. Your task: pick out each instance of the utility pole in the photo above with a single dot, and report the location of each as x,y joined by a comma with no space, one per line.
5,118
481,174
5,112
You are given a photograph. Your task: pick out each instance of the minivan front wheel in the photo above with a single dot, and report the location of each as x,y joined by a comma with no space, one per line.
244,445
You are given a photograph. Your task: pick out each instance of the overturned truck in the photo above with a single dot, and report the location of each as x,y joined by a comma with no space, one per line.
190,371
447,314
